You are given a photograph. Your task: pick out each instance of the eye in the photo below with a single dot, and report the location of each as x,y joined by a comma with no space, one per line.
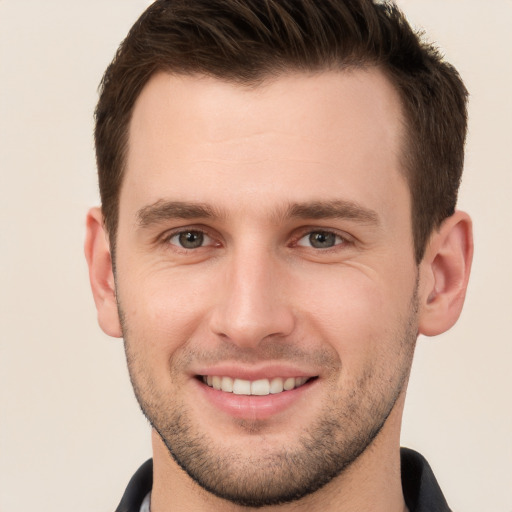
320,240
190,239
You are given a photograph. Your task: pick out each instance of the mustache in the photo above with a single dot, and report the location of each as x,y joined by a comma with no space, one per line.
267,350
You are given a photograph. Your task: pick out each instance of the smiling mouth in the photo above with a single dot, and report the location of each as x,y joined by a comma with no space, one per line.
260,387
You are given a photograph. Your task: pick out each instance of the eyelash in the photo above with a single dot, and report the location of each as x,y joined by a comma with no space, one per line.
184,231
341,239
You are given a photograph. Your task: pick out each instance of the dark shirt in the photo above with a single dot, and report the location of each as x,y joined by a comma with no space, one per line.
419,485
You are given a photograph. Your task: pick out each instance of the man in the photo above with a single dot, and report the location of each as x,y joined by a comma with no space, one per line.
278,182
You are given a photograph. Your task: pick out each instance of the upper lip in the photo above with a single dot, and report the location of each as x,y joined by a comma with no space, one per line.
256,372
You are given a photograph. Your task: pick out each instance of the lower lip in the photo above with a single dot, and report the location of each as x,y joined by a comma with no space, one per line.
252,407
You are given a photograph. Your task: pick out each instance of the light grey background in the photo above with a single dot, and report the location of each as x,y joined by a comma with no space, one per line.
71,433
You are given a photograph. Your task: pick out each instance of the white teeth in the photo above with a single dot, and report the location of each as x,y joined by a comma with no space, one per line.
289,384
241,387
299,381
227,384
259,387
276,385
217,382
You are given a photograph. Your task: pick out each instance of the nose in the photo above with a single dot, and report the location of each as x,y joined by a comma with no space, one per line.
253,300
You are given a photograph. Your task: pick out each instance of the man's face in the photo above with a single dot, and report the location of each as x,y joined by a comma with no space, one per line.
265,245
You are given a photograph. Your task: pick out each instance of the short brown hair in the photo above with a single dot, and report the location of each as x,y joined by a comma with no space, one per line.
245,41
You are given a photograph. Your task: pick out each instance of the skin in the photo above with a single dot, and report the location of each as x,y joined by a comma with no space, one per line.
270,166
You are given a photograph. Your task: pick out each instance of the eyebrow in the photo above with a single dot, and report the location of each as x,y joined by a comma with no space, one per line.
336,209
163,210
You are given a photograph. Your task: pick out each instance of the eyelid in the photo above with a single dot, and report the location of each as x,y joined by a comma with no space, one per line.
166,237
306,231
216,239
206,239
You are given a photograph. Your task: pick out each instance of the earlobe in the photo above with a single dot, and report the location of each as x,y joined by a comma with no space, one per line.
101,276
444,273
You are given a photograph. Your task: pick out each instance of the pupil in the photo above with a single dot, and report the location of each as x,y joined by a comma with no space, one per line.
191,239
322,240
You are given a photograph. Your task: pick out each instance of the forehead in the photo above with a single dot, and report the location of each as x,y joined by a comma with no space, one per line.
299,135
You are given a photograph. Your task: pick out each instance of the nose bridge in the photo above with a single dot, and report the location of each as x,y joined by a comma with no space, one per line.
252,304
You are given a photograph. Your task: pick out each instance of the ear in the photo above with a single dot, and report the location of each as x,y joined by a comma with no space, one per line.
444,273
101,276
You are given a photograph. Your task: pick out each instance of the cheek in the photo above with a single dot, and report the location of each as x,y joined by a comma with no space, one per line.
359,314
163,310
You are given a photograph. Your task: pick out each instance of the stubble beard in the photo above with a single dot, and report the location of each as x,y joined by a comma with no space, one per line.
348,424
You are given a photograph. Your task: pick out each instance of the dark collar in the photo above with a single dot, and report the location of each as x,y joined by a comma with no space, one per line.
139,485
419,485
420,488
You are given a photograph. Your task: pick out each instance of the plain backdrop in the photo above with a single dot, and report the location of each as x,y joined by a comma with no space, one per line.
71,434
